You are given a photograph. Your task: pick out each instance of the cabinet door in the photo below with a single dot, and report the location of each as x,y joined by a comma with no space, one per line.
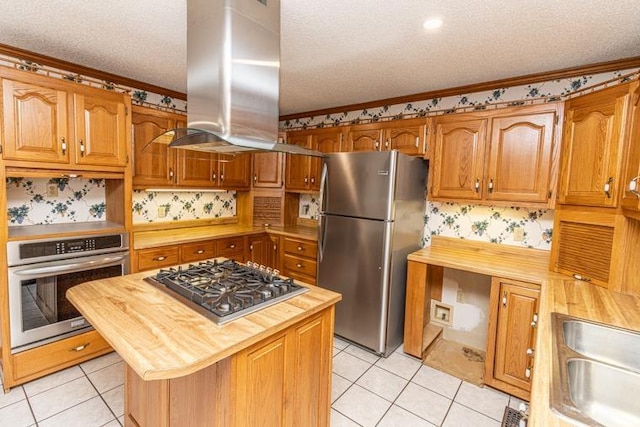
196,168
367,139
631,180
267,170
511,361
234,171
325,141
407,138
592,147
35,122
100,130
259,249
273,252
298,167
154,163
520,158
457,171
261,382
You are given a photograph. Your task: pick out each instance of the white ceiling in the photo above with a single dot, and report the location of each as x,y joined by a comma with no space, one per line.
337,52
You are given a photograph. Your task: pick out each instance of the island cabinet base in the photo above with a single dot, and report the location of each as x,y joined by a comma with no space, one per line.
283,380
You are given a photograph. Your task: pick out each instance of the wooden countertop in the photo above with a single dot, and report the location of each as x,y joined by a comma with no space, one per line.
161,338
559,293
176,236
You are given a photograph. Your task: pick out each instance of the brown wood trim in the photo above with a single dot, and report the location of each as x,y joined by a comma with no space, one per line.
166,225
87,71
600,67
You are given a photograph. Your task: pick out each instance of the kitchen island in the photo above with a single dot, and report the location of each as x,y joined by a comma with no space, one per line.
270,367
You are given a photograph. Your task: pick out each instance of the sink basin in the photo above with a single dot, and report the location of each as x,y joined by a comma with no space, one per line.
596,372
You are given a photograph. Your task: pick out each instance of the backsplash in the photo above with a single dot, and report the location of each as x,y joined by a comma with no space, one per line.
36,201
159,206
309,206
488,224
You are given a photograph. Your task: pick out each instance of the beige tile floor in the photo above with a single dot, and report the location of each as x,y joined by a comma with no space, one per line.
366,391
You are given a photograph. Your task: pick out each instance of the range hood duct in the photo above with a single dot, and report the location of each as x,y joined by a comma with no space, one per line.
233,73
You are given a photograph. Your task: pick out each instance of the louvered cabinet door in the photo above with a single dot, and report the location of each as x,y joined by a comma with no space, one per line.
592,147
35,122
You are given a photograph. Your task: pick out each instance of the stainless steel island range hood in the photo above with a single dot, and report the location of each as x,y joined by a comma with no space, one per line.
233,67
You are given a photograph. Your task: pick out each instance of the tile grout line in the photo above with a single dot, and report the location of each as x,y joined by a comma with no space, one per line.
100,394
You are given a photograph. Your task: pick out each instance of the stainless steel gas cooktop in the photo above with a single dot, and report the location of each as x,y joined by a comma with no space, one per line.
226,290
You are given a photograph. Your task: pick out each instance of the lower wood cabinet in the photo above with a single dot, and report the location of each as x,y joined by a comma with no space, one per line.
299,259
284,380
40,361
264,250
513,319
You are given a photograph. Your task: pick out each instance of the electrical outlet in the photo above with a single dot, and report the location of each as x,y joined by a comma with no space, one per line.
460,296
441,313
518,234
162,211
52,190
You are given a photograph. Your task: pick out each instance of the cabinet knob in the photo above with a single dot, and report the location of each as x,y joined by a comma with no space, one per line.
275,247
534,322
376,144
491,185
299,265
386,144
300,248
255,178
417,142
581,278
64,146
527,372
81,148
477,185
250,247
607,187
221,177
232,246
160,258
306,179
530,352
170,173
200,251
313,179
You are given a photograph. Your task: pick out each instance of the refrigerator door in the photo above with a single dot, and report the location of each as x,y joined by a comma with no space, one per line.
359,184
353,260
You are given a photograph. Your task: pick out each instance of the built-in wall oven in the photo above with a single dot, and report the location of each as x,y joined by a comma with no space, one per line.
40,272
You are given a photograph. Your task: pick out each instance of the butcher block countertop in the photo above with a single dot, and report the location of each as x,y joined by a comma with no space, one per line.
161,338
559,293
177,236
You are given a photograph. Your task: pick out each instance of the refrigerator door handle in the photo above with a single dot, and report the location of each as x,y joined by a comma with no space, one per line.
324,181
321,237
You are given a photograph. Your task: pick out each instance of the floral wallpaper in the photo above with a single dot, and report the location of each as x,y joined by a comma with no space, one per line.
535,93
158,206
36,201
138,97
488,223
309,206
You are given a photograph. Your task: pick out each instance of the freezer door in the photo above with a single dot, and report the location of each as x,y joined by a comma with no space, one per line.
359,184
352,260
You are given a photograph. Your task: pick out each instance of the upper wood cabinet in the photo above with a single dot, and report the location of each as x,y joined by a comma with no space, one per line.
592,147
631,180
157,165
407,136
303,173
47,120
154,163
504,157
268,170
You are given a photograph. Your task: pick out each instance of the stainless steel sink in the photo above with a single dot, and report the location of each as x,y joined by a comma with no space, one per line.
596,372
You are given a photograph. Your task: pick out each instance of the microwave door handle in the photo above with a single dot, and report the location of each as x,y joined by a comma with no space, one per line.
71,268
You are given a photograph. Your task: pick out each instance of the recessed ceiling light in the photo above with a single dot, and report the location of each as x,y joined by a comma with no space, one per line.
432,23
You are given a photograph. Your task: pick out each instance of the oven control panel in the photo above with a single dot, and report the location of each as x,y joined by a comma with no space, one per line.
40,250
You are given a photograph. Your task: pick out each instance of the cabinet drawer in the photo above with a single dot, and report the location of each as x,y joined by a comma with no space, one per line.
302,248
158,257
299,277
53,357
197,251
299,265
232,247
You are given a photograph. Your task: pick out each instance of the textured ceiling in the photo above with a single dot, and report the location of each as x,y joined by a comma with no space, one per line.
337,52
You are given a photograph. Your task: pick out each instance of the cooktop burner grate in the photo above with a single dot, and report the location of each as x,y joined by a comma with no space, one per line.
226,290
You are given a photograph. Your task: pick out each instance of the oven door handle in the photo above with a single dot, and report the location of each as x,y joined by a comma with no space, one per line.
71,268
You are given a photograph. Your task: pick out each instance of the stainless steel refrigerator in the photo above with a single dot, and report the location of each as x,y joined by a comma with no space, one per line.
371,217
